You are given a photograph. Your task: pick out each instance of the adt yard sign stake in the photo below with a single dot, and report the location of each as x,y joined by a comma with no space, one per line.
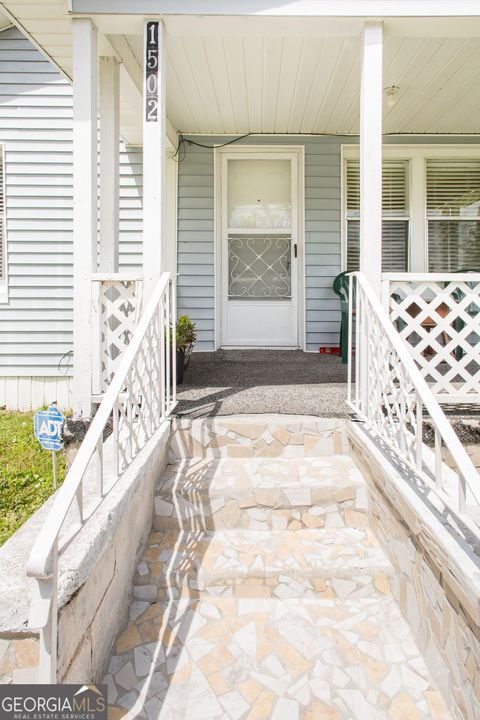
47,426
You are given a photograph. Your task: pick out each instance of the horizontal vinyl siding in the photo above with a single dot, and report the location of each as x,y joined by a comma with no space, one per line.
322,237
36,129
195,249
131,193
322,241
36,324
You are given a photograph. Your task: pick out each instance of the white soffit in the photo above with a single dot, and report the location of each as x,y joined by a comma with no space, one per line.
5,22
275,84
285,75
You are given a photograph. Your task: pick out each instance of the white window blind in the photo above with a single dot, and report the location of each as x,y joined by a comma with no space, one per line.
2,219
395,211
453,214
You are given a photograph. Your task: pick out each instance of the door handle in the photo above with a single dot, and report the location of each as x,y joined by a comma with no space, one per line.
295,250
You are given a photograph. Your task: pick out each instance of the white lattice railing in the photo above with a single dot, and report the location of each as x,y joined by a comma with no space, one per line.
116,309
391,396
438,317
140,397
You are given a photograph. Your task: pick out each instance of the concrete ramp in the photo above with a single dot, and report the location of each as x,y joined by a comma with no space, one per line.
262,592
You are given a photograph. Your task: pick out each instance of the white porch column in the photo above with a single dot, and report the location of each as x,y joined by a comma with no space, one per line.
85,210
109,163
154,155
371,155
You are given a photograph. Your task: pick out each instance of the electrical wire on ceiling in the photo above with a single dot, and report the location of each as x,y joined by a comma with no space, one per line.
178,156
180,152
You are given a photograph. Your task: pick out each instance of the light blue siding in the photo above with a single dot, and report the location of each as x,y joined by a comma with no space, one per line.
195,256
36,130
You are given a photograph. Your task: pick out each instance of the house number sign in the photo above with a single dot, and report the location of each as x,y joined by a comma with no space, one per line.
151,73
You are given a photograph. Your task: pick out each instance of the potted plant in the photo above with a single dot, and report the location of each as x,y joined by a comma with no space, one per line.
186,335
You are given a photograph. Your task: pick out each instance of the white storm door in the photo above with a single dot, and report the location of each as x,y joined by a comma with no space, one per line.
259,250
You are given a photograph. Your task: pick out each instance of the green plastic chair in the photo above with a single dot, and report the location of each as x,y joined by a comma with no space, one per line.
341,287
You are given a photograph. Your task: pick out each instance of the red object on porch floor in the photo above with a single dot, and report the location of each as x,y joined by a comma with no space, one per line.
329,350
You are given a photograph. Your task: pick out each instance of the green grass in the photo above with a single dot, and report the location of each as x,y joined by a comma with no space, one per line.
26,477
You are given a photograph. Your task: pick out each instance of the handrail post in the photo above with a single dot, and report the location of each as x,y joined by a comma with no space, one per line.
419,433
47,596
99,454
438,459
116,433
385,296
362,334
169,359
163,375
173,309
350,334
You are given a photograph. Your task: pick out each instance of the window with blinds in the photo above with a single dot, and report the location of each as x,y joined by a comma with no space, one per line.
453,215
2,220
395,209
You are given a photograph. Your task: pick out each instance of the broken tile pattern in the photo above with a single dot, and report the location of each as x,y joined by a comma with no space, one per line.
430,591
261,494
18,660
259,658
255,623
258,436
255,563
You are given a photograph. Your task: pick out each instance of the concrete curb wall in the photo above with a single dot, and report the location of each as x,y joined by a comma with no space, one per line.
437,580
96,571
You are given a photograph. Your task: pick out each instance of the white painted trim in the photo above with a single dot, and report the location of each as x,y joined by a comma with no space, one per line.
34,42
430,151
109,163
416,155
371,97
154,174
85,207
417,235
171,220
112,277
293,8
297,154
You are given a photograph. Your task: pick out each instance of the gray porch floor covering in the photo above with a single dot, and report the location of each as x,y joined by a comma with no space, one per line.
231,382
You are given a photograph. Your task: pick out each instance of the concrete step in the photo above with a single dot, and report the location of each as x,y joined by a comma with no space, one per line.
261,494
246,436
271,659
254,563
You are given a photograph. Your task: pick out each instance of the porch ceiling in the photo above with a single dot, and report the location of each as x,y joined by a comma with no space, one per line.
293,84
231,75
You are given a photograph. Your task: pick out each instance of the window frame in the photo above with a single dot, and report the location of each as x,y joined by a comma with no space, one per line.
454,219
385,218
3,235
417,156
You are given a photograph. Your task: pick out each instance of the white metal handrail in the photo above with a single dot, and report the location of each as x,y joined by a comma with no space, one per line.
391,395
139,399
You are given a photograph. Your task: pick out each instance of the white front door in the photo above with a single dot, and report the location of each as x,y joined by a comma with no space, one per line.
259,249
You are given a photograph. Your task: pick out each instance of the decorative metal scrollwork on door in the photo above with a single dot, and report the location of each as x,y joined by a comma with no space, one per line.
259,266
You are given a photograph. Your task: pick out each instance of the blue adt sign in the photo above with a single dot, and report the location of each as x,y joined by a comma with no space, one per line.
47,426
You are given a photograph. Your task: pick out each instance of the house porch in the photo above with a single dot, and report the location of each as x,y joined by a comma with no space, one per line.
233,382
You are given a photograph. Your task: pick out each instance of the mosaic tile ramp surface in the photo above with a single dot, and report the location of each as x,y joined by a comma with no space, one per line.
263,595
